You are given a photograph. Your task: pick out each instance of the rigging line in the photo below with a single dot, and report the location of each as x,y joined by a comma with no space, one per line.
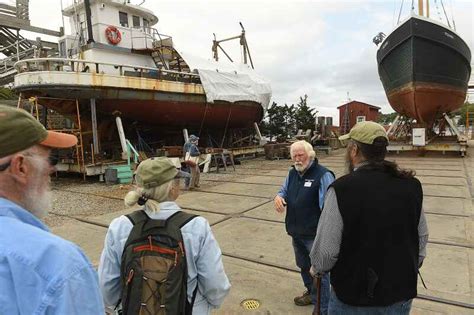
437,10
412,5
78,32
226,125
400,13
394,12
452,14
447,19
203,119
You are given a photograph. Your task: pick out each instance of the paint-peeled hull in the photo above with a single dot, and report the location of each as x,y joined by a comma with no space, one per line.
424,68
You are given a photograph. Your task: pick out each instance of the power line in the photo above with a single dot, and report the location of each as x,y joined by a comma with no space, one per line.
452,14
394,12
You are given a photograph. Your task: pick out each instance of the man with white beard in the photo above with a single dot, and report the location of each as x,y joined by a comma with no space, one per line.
302,196
40,273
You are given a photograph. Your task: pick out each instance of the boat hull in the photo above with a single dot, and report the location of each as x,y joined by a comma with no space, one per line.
424,68
179,110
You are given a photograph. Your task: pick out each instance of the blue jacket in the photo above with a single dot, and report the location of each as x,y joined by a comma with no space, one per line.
304,194
203,256
41,273
191,148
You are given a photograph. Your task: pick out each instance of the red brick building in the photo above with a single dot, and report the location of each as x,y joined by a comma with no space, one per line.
356,112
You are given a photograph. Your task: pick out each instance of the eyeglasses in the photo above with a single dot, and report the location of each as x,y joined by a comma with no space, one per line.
5,166
53,159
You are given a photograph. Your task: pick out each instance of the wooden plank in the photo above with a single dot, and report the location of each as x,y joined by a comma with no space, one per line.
7,7
16,23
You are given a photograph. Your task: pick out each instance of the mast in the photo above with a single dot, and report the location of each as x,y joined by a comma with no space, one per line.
420,7
90,36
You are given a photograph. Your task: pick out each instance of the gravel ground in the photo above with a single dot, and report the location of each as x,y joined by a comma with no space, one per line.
53,220
74,197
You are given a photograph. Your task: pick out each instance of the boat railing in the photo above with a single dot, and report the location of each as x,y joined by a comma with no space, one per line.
90,66
149,34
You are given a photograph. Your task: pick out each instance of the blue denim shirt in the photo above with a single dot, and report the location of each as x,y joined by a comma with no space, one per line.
191,148
203,257
41,273
326,180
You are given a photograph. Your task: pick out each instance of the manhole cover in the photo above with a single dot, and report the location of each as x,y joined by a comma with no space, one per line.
250,304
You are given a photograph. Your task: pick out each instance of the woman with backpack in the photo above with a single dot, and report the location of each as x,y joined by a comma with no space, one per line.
160,259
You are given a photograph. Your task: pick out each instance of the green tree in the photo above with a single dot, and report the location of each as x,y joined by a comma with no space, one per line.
275,120
385,119
7,94
304,116
467,107
284,121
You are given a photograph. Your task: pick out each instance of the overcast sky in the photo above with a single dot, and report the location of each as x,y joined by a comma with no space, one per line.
322,48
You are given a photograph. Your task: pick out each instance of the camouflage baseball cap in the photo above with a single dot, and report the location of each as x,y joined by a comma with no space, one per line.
365,132
156,172
20,131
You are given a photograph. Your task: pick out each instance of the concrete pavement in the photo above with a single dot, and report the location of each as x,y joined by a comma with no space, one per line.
258,255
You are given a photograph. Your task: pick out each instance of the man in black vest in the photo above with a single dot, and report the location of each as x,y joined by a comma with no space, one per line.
302,195
372,234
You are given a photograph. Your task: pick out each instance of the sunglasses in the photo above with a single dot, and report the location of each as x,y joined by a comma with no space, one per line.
5,166
53,159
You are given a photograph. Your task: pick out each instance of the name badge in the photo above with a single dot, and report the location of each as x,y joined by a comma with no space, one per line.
308,184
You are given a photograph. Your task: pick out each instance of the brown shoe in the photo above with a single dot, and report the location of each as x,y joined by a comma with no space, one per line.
303,300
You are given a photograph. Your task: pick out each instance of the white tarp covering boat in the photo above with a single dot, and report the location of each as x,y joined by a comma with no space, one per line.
231,82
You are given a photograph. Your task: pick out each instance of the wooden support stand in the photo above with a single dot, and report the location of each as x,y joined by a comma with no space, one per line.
222,155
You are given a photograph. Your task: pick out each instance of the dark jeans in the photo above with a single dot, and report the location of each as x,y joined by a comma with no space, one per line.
302,248
336,307
186,179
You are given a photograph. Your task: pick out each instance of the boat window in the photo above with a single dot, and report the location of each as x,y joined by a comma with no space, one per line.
146,25
123,17
136,21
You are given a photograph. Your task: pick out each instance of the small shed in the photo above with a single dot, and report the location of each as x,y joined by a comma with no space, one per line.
354,112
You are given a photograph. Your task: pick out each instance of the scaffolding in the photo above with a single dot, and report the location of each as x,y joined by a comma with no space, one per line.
406,134
39,111
15,47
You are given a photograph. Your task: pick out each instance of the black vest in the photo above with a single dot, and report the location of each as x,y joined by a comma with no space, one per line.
303,210
378,258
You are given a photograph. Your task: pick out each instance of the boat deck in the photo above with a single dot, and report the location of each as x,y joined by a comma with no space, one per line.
258,256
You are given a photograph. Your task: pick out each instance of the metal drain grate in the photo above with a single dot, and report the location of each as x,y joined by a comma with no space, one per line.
250,304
